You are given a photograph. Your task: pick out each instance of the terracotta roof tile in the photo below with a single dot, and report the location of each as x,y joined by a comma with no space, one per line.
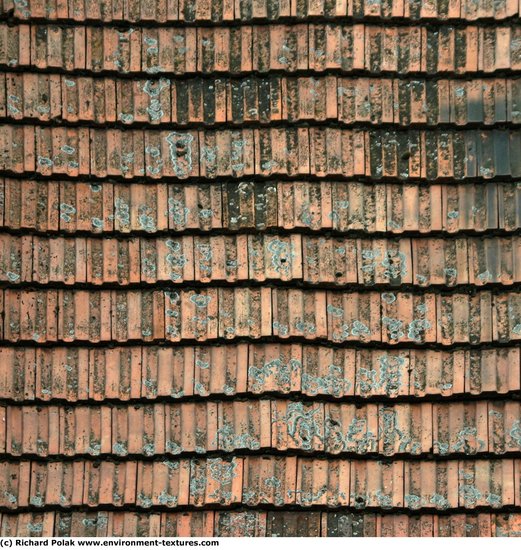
260,99
257,523
438,429
230,258
32,524
262,152
257,267
293,524
186,50
270,480
187,524
223,11
344,206
124,373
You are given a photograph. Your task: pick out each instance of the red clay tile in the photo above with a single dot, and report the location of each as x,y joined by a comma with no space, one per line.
381,373
111,483
187,524
494,369
277,151
245,425
486,482
123,208
460,428
274,367
216,481
112,373
163,483
257,523
56,483
376,484
405,428
76,374
349,428
297,425
431,485
32,524
503,426
269,480
221,370
166,371
240,100
322,482
15,484
218,11
237,524
440,261
328,371
157,429
191,427
362,314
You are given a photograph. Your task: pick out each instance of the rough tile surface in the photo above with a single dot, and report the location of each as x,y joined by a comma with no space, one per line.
260,268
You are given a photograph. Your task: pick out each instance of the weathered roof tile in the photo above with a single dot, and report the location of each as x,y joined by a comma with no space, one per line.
257,264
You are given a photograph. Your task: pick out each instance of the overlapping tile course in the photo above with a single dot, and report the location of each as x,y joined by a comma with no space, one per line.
220,11
149,373
266,152
272,425
239,257
360,208
264,48
260,100
275,481
253,523
259,268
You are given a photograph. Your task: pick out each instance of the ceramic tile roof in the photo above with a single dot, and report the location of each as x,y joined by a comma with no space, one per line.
260,268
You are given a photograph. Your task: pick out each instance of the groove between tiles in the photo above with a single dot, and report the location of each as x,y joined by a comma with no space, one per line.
395,21
265,452
433,77
249,396
272,230
129,508
482,21
252,125
496,289
257,178
261,340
